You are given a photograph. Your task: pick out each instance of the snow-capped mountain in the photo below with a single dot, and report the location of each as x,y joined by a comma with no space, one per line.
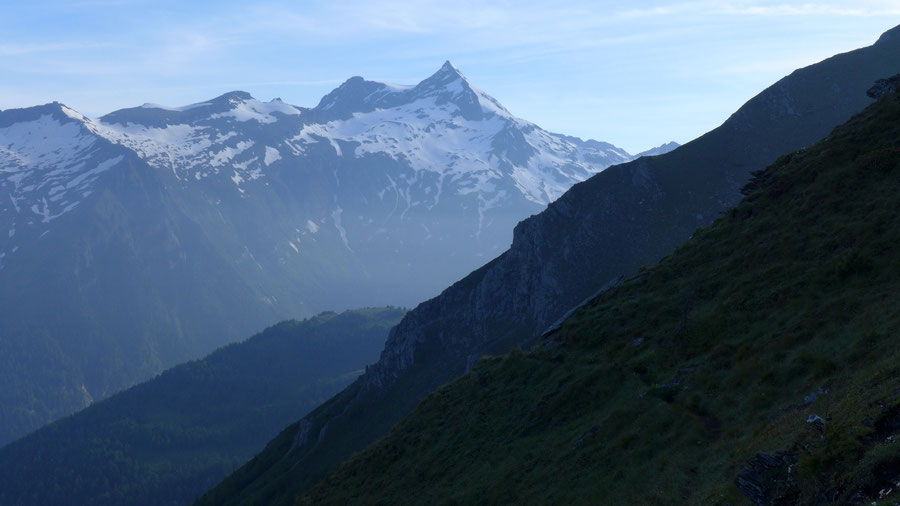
446,126
444,132
49,162
200,140
155,233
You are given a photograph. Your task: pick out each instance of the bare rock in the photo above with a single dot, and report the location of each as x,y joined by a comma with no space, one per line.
766,479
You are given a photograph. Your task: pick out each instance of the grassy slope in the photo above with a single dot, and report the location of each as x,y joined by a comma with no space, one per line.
607,226
658,391
167,440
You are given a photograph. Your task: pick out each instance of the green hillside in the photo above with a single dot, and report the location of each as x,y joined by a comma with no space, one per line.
604,228
167,440
773,330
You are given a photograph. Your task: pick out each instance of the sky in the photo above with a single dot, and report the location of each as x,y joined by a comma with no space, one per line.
636,74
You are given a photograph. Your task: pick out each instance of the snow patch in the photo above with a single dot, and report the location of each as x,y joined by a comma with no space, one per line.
435,138
171,147
237,181
183,108
336,216
228,153
262,112
48,166
186,150
272,155
72,113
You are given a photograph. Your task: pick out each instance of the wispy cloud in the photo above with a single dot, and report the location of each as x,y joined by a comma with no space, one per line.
666,10
860,9
768,66
320,82
106,3
26,48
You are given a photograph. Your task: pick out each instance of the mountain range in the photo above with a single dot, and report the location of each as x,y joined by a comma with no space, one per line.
154,234
584,243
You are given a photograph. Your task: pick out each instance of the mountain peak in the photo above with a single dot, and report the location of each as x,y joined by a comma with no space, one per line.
449,85
57,110
890,36
237,105
446,86
353,95
446,75
659,150
448,69
233,97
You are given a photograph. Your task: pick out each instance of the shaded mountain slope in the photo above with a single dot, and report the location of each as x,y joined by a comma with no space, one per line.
757,362
167,440
627,216
108,293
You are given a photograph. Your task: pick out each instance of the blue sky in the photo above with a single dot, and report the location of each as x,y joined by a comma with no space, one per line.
632,73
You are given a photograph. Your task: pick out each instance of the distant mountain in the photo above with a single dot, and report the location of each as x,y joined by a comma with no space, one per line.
380,189
104,279
627,216
659,150
167,440
757,364
154,234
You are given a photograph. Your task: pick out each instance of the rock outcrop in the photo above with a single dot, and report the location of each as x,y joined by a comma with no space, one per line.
884,86
766,479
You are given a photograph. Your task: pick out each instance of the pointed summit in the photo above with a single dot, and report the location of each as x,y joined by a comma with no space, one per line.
446,86
448,69
446,75
449,85
891,36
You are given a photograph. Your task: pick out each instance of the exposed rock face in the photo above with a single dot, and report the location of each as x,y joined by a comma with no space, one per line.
766,479
883,86
627,216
